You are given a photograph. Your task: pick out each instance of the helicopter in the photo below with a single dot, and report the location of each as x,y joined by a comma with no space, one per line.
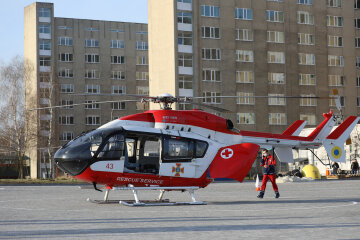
184,150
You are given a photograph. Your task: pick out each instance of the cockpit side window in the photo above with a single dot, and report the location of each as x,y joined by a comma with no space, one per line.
113,149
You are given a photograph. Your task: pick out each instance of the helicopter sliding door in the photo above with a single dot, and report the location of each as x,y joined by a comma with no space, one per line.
142,153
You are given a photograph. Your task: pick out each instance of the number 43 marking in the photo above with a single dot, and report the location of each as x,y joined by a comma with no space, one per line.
110,166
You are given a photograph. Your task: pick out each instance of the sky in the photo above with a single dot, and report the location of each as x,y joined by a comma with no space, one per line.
12,18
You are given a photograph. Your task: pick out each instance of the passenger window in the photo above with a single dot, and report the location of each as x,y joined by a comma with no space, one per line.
130,145
113,149
178,149
200,148
151,148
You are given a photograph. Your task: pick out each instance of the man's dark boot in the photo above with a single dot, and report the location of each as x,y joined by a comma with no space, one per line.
277,194
261,194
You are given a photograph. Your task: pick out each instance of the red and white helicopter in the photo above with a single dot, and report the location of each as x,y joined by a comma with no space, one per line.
172,150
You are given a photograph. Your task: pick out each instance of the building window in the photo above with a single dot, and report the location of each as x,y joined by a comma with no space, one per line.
357,23
92,89
307,79
185,38
142,60
66,136
91,43
44,12
274,16
306,39
334,21
44,28
276,57
45,61
245,118
143,76
244,56
184,60
276,78
118,89
117,44
92,120
277,119
142,90
210,11
118,106
308,100
358,81
92,58
92,104
212,97
357,42
335,3
358,101
67,88
65,73
142,45
336,80
65,57
65,41
335,61
66,120
211,54
335,41
244,34
211,75
184,1
118,75
305,18
245,98
275,37
243,13
117,59
307,2
184,17
67,104
185,82
357,4
210,32
244,77
92,74
276,99
306,59
275,0
45,45
44,77
91,29
309,118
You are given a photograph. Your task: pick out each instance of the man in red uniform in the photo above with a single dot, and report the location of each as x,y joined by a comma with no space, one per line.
268,163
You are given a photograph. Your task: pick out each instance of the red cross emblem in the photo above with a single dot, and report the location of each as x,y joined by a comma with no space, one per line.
227,153
178,169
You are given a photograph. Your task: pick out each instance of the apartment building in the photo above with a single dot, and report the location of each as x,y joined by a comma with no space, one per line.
76,61
246,48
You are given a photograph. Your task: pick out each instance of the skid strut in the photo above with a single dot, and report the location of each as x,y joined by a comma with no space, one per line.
158,202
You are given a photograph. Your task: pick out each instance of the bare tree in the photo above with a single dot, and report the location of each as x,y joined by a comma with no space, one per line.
12,110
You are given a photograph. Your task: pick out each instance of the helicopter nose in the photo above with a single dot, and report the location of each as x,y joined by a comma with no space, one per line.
71,160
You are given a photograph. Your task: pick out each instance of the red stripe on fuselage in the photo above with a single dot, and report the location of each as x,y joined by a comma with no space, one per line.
113,179
290,130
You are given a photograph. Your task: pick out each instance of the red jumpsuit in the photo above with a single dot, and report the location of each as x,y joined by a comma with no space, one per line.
269,172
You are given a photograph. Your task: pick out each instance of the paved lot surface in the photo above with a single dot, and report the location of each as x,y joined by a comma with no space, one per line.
307,210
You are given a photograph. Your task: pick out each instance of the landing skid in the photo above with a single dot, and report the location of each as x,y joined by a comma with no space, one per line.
157,202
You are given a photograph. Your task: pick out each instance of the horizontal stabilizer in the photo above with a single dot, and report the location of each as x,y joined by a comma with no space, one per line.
334,143
295,129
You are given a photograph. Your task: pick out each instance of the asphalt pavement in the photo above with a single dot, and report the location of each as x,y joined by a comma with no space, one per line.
305,210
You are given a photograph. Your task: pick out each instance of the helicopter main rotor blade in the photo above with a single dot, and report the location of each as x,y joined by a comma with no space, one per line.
79,104
223,110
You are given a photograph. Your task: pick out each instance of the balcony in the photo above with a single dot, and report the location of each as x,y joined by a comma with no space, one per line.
44,35
45,117
45,19
45,52
184,27
45,85
185,48
44,101
186,70
45,69
186,92
184,6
